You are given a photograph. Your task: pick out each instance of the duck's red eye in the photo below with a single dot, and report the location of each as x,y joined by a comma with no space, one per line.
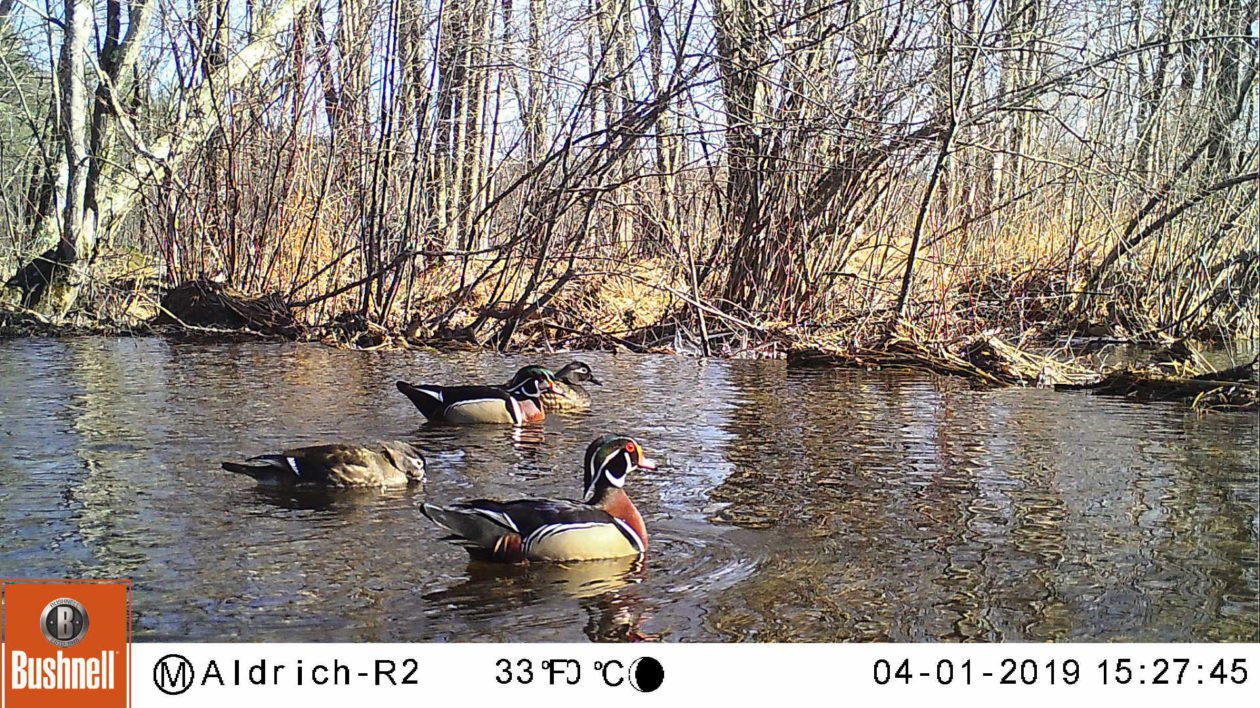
629,447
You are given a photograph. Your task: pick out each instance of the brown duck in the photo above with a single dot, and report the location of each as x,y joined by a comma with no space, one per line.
388,463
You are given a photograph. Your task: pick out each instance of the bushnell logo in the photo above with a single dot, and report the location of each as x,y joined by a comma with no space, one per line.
64,622
53,655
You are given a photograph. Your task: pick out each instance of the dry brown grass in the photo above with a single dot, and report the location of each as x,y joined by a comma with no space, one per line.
600,298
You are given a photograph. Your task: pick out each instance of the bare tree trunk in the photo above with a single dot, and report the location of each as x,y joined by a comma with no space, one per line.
536,108
327,77
1232,18
1150,94
742,51
611,73
473,154
667,144
78,228
957,100
451,98
117,185
1019,67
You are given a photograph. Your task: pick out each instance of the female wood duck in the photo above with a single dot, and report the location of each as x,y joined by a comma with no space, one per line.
569,393
388,463
518,402
605,525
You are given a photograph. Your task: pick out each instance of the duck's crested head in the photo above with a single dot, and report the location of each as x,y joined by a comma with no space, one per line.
577,372
609,460
405,457
531,381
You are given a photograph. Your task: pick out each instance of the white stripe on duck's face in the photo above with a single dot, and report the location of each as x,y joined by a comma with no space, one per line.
576,372
530,388
613,467
610,458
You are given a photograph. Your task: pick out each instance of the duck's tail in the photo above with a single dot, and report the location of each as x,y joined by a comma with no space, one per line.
481,531
427,399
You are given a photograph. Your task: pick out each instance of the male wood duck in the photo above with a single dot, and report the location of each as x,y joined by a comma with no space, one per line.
388,463
517,403
605,525
569,393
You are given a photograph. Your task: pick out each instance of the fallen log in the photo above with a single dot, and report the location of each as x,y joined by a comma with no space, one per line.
985,359
1201,393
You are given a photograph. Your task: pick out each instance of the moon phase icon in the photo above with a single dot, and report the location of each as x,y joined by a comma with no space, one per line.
646,674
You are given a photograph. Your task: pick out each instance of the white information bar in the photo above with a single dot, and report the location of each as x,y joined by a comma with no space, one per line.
553,675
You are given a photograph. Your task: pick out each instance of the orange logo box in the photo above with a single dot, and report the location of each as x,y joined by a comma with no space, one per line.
66,643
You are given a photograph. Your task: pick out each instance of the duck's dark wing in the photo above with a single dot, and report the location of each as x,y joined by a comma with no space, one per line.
461,403
529,515
483,522
533,527
279,470
267,469
429,400
454,394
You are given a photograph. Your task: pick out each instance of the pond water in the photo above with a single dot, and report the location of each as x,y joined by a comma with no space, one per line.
789,505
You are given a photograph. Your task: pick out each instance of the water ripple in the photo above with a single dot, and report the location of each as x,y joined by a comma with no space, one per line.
789,505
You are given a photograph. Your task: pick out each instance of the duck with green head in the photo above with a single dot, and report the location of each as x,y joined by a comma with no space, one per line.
518,402
569,394
605,524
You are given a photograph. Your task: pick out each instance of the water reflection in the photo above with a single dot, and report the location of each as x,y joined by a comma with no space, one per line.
344,503
789,505
602,590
